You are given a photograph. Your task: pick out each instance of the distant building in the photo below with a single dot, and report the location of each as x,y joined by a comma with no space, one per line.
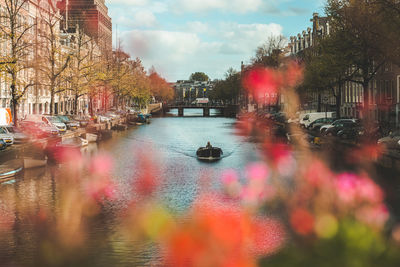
187,91
91,15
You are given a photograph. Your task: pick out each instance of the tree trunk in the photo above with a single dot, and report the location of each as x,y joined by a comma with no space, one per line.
52,102
76,104
14,103
15,111
338,101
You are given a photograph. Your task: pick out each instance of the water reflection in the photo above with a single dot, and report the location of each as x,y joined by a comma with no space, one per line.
171,142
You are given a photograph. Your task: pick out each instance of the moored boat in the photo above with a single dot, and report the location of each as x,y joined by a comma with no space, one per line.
30,163
90,137
10,169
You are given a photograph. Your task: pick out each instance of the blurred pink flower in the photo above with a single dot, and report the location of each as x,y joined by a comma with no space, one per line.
261,81
293,74
257,171
346,185
101,165
100,189
317,174
229,177
351,188
375,216
369,191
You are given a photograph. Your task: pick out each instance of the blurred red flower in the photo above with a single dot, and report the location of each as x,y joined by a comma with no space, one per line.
302,221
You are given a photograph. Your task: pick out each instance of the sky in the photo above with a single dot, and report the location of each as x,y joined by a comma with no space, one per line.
180,37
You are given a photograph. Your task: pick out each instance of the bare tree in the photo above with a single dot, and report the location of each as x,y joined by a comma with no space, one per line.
18,31
268,53
54,59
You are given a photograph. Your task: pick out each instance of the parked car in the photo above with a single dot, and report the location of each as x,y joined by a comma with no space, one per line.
69,122
311,117
316,125
327,126
52,121
82,119
56,122
18,135
340,126
353,132
5,136
391,141
38,129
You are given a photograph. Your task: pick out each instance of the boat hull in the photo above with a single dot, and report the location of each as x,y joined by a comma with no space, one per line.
30,163
209,154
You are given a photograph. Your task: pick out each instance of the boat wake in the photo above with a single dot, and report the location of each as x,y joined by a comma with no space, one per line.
190,152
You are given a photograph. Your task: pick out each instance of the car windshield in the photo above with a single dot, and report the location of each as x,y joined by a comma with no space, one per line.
54,119
3,130
63,118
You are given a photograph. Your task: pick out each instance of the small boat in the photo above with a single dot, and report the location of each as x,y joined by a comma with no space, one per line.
90,137
209,153
143,118
10,169
73,142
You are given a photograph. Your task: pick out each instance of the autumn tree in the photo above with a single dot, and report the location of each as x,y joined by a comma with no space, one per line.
54,59
160,88
122,76
82,72
17,32
139,92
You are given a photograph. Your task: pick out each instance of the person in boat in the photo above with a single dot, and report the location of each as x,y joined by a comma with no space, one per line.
208,145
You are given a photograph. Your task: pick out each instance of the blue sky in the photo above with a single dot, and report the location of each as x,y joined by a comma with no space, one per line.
179,37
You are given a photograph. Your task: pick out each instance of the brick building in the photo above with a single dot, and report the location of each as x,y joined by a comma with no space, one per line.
91,15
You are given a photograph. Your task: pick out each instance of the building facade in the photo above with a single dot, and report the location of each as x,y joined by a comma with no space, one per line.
92,16
187,91
32,16
384,89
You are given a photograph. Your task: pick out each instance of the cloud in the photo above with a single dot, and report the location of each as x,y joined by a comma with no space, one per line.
175,53
128,2
144,18
201,6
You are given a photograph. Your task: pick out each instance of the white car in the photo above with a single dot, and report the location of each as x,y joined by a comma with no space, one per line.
311,117
56,122
19,137
8,138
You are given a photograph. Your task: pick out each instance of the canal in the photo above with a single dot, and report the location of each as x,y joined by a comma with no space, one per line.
166,147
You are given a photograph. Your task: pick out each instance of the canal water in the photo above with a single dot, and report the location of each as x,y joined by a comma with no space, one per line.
169,144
